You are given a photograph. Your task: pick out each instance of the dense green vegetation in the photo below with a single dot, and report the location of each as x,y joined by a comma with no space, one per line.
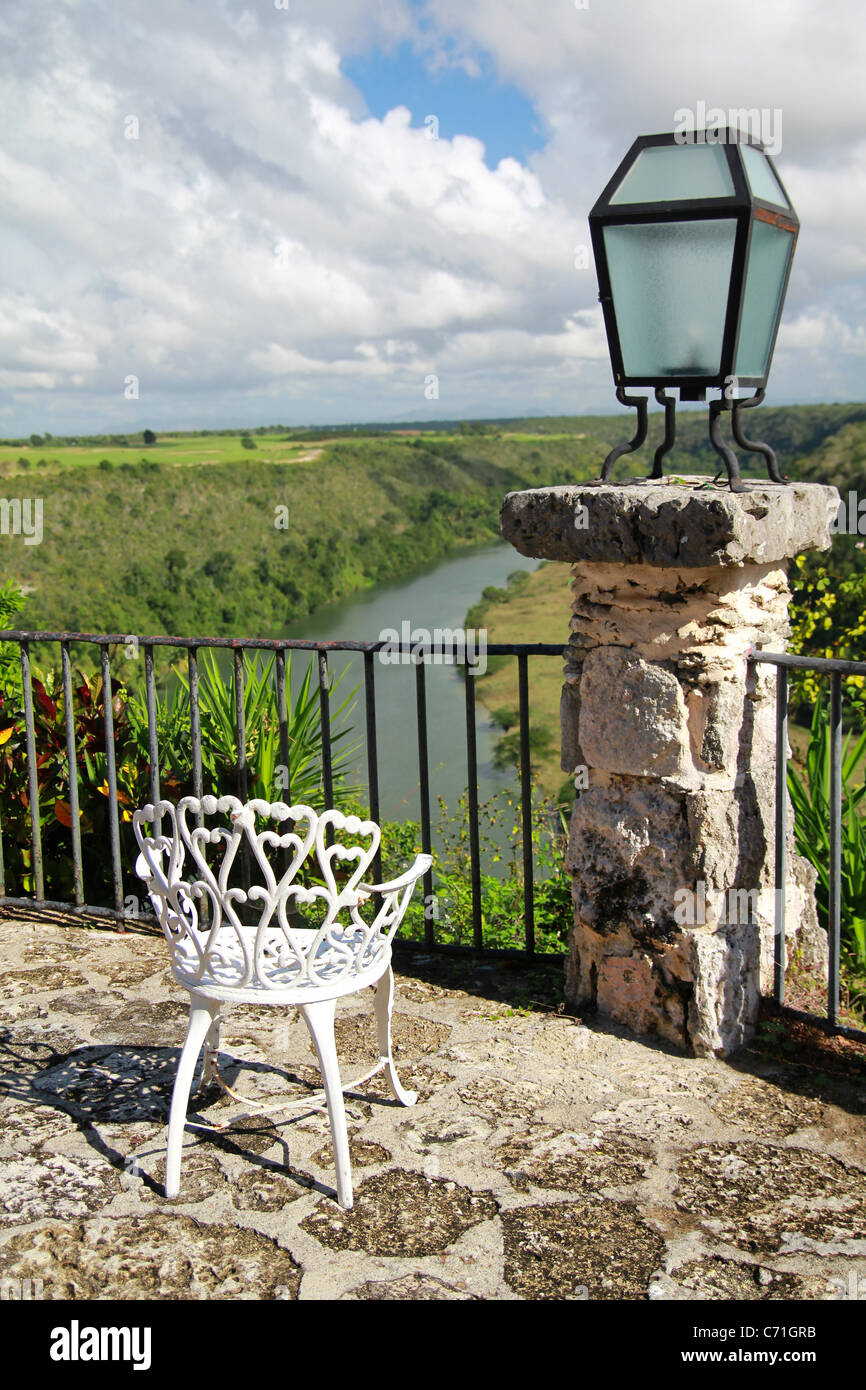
246,544
503,918
201,534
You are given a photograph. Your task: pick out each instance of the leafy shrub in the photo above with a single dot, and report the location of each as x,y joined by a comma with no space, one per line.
503,919
828,619
262,729
52,785
811,802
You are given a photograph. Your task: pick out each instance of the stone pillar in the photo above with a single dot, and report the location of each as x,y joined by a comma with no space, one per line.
672,739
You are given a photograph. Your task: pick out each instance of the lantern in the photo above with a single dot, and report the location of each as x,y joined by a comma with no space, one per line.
693,240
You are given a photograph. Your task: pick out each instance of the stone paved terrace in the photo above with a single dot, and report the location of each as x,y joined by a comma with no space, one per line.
546,1158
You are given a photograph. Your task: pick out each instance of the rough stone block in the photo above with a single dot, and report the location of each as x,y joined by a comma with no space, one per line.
633,717
633,990
629,850
726,991
668,524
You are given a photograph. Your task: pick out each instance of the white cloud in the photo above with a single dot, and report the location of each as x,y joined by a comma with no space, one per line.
820,330
265,240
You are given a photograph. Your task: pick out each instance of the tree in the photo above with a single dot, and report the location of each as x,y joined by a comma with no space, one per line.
247,442
36,440
219,567
149,437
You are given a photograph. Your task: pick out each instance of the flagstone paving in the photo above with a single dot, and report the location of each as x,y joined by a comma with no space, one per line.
547,1157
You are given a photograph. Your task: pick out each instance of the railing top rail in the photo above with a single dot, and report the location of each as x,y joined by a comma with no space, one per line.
788,659
832,665
277,644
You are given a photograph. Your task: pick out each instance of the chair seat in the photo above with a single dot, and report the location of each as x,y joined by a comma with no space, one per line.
286,980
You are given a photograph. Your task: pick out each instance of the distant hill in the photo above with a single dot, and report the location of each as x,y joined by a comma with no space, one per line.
179,536
208,537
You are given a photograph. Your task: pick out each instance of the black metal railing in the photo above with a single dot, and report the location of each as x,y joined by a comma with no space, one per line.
836,670
450,650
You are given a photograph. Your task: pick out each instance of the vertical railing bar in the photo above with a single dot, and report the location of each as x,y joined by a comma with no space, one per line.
195,739
372,749
835,903
72,765
111,770
194,723
472,795
152,734
283,723
781,848
240,726
241,763
32,777
325,711
424,789
526,802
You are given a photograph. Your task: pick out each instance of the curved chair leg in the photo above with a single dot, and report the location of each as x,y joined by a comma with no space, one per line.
384,1009
201,1017
211,1051
319,1018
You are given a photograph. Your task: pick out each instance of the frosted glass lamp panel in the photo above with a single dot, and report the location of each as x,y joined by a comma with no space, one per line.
762,180
670,284
669,173
770,252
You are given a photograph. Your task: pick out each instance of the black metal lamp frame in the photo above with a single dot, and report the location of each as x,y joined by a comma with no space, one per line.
745,209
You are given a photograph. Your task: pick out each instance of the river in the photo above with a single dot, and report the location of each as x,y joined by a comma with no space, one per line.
435,597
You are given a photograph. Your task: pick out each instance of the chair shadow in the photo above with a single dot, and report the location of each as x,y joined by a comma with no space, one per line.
111,1084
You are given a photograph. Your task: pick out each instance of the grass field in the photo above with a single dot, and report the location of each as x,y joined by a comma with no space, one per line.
169,451
534,608
190,451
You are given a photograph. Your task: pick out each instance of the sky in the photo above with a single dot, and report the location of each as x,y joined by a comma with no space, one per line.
243,212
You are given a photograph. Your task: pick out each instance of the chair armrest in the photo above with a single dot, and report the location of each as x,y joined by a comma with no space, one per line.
421,865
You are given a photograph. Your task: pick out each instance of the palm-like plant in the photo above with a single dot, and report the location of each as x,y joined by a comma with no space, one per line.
811,802
266,776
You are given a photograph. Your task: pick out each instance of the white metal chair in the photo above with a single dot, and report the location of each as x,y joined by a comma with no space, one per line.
273,959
